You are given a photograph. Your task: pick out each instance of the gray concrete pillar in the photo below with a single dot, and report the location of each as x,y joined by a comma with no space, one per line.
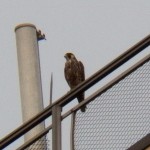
29,75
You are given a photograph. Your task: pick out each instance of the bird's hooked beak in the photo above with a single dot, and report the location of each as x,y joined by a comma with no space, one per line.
66,57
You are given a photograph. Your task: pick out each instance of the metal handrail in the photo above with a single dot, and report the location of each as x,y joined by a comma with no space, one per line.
87,100
141,45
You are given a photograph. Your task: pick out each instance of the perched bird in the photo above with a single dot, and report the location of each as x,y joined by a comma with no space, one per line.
74,74
40,36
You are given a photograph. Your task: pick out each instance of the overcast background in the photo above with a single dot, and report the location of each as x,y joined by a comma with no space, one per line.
96,31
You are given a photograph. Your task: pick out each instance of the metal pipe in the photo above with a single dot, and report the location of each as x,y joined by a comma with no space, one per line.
56,127
29,75
51,89
72,131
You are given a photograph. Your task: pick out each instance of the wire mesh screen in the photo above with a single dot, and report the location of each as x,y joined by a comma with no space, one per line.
119,117
42,144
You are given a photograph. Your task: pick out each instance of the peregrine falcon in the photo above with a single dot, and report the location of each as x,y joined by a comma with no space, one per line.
74,74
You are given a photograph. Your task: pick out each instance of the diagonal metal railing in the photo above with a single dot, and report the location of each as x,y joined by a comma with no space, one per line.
97,94
47,112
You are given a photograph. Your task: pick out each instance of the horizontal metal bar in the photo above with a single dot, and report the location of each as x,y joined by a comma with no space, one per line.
72,94
34,139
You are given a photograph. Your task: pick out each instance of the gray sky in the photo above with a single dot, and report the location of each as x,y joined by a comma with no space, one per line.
96,31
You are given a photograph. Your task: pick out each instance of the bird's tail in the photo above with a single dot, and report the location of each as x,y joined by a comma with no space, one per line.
80,99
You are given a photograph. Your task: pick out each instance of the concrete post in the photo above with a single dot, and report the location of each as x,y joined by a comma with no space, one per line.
29,75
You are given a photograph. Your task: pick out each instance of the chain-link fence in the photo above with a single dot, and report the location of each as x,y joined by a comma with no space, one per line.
41,141
41,144
119,117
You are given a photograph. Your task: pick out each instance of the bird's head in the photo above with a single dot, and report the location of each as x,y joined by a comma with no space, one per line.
69,56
